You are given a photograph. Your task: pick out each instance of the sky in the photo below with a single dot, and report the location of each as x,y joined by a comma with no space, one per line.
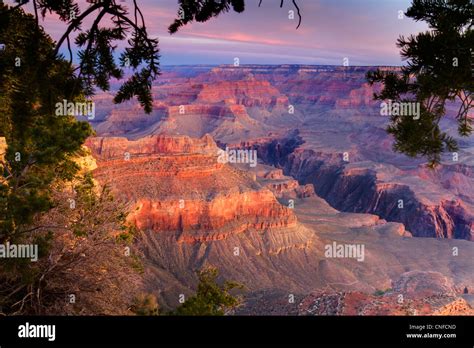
362,31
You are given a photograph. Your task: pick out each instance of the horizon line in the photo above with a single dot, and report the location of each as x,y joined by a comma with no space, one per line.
292,64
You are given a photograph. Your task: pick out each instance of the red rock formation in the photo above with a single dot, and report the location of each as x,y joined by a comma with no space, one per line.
212,113
358,97
177,184
248,93
215,219
113,147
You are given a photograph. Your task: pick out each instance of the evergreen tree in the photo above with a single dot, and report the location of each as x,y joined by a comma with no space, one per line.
40,146
39,153
439,70
145,304
96,55
211,298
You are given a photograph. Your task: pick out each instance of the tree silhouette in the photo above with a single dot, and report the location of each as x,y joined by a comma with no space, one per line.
96,56
439,70
203,10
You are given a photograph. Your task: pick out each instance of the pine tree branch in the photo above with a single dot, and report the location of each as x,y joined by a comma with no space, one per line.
140,30
299,14
75,23
36,12
294,4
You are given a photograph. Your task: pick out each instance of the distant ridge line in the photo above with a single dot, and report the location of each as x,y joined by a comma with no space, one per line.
278,65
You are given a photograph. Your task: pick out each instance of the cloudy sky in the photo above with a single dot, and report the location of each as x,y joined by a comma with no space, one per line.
364,31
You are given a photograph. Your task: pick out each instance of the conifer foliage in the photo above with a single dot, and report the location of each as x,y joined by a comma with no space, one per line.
439,70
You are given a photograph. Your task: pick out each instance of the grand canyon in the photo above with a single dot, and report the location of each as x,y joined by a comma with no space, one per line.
326,177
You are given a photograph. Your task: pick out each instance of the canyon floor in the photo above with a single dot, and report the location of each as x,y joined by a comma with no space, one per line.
326,178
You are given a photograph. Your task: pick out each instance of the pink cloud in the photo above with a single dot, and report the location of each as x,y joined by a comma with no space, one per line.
240,37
